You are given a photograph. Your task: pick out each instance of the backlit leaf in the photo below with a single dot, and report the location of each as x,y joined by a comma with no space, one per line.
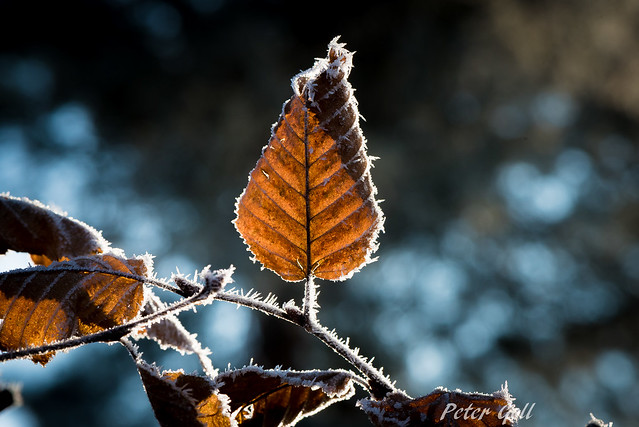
443,408
29,226
282,398
184,400
41,305
309,207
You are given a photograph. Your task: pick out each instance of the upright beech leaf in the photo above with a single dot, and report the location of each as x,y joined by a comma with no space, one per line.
29,226
309,207
443,408
282,398
184,400
42,305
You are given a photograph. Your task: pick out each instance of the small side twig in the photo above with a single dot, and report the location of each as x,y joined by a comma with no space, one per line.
377,383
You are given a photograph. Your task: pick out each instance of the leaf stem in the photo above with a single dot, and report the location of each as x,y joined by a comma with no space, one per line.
309,304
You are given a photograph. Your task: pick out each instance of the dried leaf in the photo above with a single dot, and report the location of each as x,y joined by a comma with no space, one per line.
41,305
282,398
169,332
184,400
309,207
29,226
443,408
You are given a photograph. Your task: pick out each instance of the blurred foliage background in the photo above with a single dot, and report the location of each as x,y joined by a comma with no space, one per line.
507,134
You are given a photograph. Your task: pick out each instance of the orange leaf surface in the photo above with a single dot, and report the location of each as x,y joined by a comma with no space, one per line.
309,207
443,408
29,226
282,398
184,400
41,305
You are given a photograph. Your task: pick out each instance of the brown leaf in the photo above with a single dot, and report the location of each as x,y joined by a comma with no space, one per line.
443,408
42,305
282,398
29,226
309,207
184,400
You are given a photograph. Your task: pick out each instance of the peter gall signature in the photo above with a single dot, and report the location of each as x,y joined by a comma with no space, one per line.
470,412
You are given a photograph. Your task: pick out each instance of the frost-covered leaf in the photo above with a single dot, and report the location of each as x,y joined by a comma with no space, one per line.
169,332
29,226
184,400
41,305
309,207
280,397
443,408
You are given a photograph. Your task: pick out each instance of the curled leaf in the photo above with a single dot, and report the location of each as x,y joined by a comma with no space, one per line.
282,398
41,305
309,207
184,400
29,226
169,332
443,408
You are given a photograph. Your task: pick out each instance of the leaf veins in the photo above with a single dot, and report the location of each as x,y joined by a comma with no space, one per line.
41,305
309,208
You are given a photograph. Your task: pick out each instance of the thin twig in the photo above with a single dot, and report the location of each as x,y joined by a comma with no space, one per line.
131,348
378,384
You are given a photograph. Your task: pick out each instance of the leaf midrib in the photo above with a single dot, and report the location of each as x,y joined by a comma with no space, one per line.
307,198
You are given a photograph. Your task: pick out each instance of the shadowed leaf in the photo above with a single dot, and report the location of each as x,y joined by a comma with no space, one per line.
282,398
184,400
309,207
169,332
443,408
41,305
29,226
